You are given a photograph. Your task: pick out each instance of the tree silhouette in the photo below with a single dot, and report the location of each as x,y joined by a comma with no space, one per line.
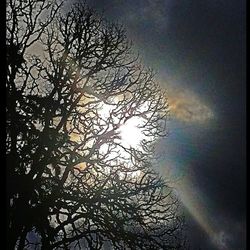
73,180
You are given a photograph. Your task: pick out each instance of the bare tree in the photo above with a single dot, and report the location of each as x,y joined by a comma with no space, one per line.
75,94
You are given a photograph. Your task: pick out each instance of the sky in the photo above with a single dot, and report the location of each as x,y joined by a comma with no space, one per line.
198,50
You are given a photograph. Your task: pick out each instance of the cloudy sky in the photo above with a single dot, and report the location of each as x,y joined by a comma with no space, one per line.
198,50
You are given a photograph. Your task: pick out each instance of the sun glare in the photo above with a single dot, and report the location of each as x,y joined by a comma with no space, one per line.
131,134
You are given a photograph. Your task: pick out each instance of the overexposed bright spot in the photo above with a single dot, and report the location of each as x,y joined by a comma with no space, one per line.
130,132
130,129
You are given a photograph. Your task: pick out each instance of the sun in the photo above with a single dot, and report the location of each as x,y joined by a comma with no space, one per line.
122,132
130,132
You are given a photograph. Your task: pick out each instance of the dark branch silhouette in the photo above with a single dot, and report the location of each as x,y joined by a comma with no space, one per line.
73,83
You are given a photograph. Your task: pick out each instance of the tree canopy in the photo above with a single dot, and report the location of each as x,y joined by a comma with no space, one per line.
83,115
